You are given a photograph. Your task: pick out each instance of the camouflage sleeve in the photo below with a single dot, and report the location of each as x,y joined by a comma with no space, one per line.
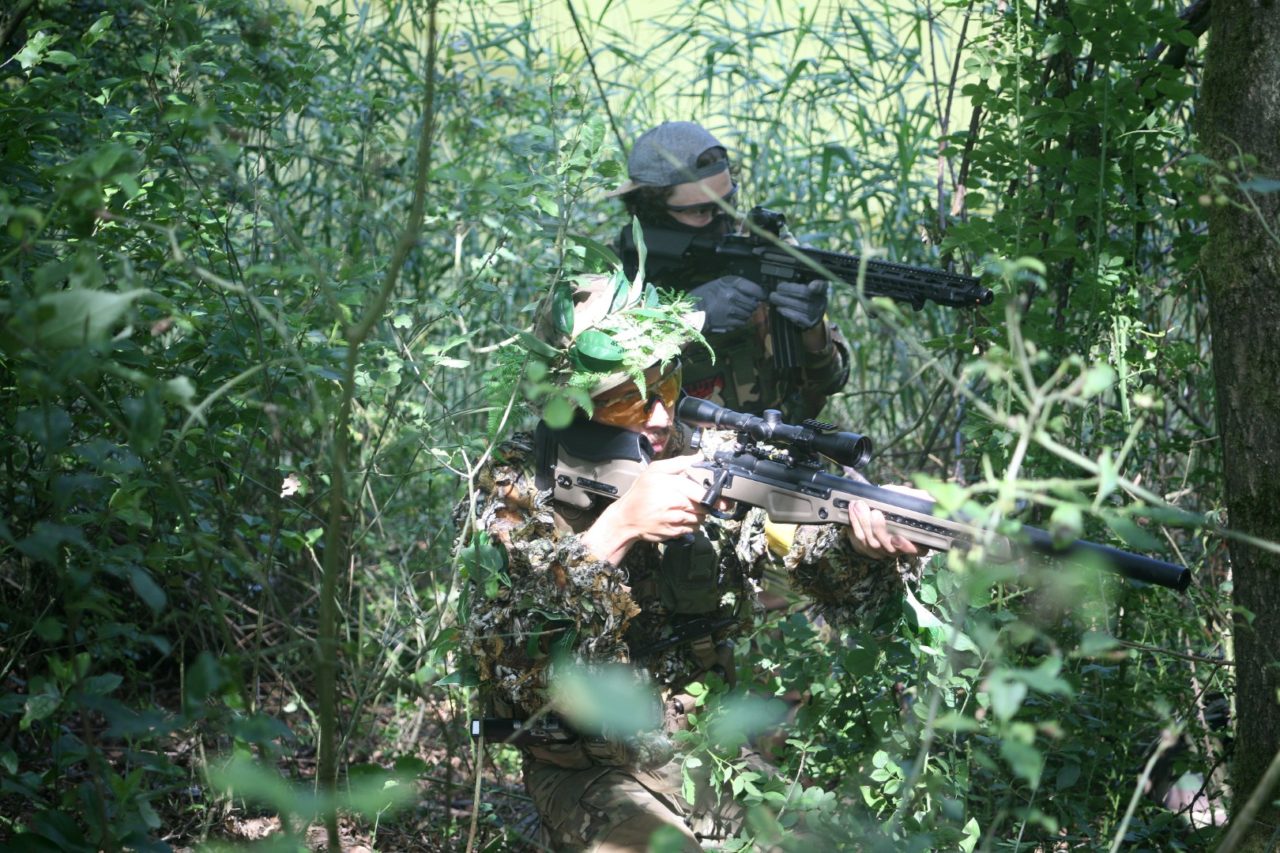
848,588
552,595
826,371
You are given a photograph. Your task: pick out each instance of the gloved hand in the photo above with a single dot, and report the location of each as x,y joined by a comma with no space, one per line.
728,301
802,304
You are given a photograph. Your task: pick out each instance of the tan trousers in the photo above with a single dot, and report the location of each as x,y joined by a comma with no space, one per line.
616,809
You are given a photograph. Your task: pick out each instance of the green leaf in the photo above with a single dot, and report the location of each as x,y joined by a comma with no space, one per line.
562,309
33,52
642,251
50,426
101,685
621,287
40,706
50,629
378,792
204,676
558,412
536,345
148,814
1045,677
1108,476
1025,760
1066,524
46,541
461,677
96,31
1133,535
484,562
180,390
860,661
61,57
1007,694
595,350
258,784
1095,643
1261,185
1097,379
73,318
146,588
1068,775
598,255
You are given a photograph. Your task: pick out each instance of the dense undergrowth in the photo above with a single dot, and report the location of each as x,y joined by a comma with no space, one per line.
200,203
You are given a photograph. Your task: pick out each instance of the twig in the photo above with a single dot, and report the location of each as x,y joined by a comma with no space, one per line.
1142,647
573,13
1167,740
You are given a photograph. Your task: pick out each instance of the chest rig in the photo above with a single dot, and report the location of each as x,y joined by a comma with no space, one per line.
587,464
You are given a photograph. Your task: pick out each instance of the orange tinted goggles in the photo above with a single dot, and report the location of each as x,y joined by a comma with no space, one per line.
633,408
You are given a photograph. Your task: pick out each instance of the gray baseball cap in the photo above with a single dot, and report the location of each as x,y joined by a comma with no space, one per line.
667,155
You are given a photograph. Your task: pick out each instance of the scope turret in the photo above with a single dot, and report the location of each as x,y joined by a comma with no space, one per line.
843,448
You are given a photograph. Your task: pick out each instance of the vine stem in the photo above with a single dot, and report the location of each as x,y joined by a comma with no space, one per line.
1168,740
335,539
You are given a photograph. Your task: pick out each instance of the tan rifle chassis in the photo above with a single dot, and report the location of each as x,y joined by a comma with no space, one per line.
589,461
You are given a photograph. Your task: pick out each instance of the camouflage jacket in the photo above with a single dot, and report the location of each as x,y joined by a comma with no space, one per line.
554,597
743,376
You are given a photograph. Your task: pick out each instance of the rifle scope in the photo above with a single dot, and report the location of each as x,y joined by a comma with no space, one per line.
843,448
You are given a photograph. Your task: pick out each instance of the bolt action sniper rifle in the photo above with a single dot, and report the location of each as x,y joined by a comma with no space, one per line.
677,256
776,466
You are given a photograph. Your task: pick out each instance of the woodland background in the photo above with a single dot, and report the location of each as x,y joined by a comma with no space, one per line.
256,258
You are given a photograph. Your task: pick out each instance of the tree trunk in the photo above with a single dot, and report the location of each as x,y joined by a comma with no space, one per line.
1240,114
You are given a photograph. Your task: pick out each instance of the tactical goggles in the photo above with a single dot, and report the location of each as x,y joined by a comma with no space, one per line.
632,409
707,208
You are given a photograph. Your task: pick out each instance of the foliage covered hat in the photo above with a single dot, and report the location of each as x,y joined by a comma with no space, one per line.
598,331
668,155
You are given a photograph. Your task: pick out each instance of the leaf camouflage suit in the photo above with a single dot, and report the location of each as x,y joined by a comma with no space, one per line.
669,613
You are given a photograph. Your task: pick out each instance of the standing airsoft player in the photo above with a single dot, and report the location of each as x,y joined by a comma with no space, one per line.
650,582
681,179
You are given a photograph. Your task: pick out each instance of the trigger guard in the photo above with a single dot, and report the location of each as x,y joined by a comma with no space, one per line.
738,512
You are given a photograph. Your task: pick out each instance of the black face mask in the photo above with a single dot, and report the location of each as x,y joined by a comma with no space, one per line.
674,271
720,225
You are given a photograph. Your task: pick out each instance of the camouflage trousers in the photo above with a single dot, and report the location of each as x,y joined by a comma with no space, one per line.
611,809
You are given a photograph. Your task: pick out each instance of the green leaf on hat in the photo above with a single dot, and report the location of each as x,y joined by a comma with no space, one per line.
642,251
620,288
595,350
536,345
562,308
596,254
650,296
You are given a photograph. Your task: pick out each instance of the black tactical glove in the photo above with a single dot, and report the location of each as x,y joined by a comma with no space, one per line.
728,302
802,304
